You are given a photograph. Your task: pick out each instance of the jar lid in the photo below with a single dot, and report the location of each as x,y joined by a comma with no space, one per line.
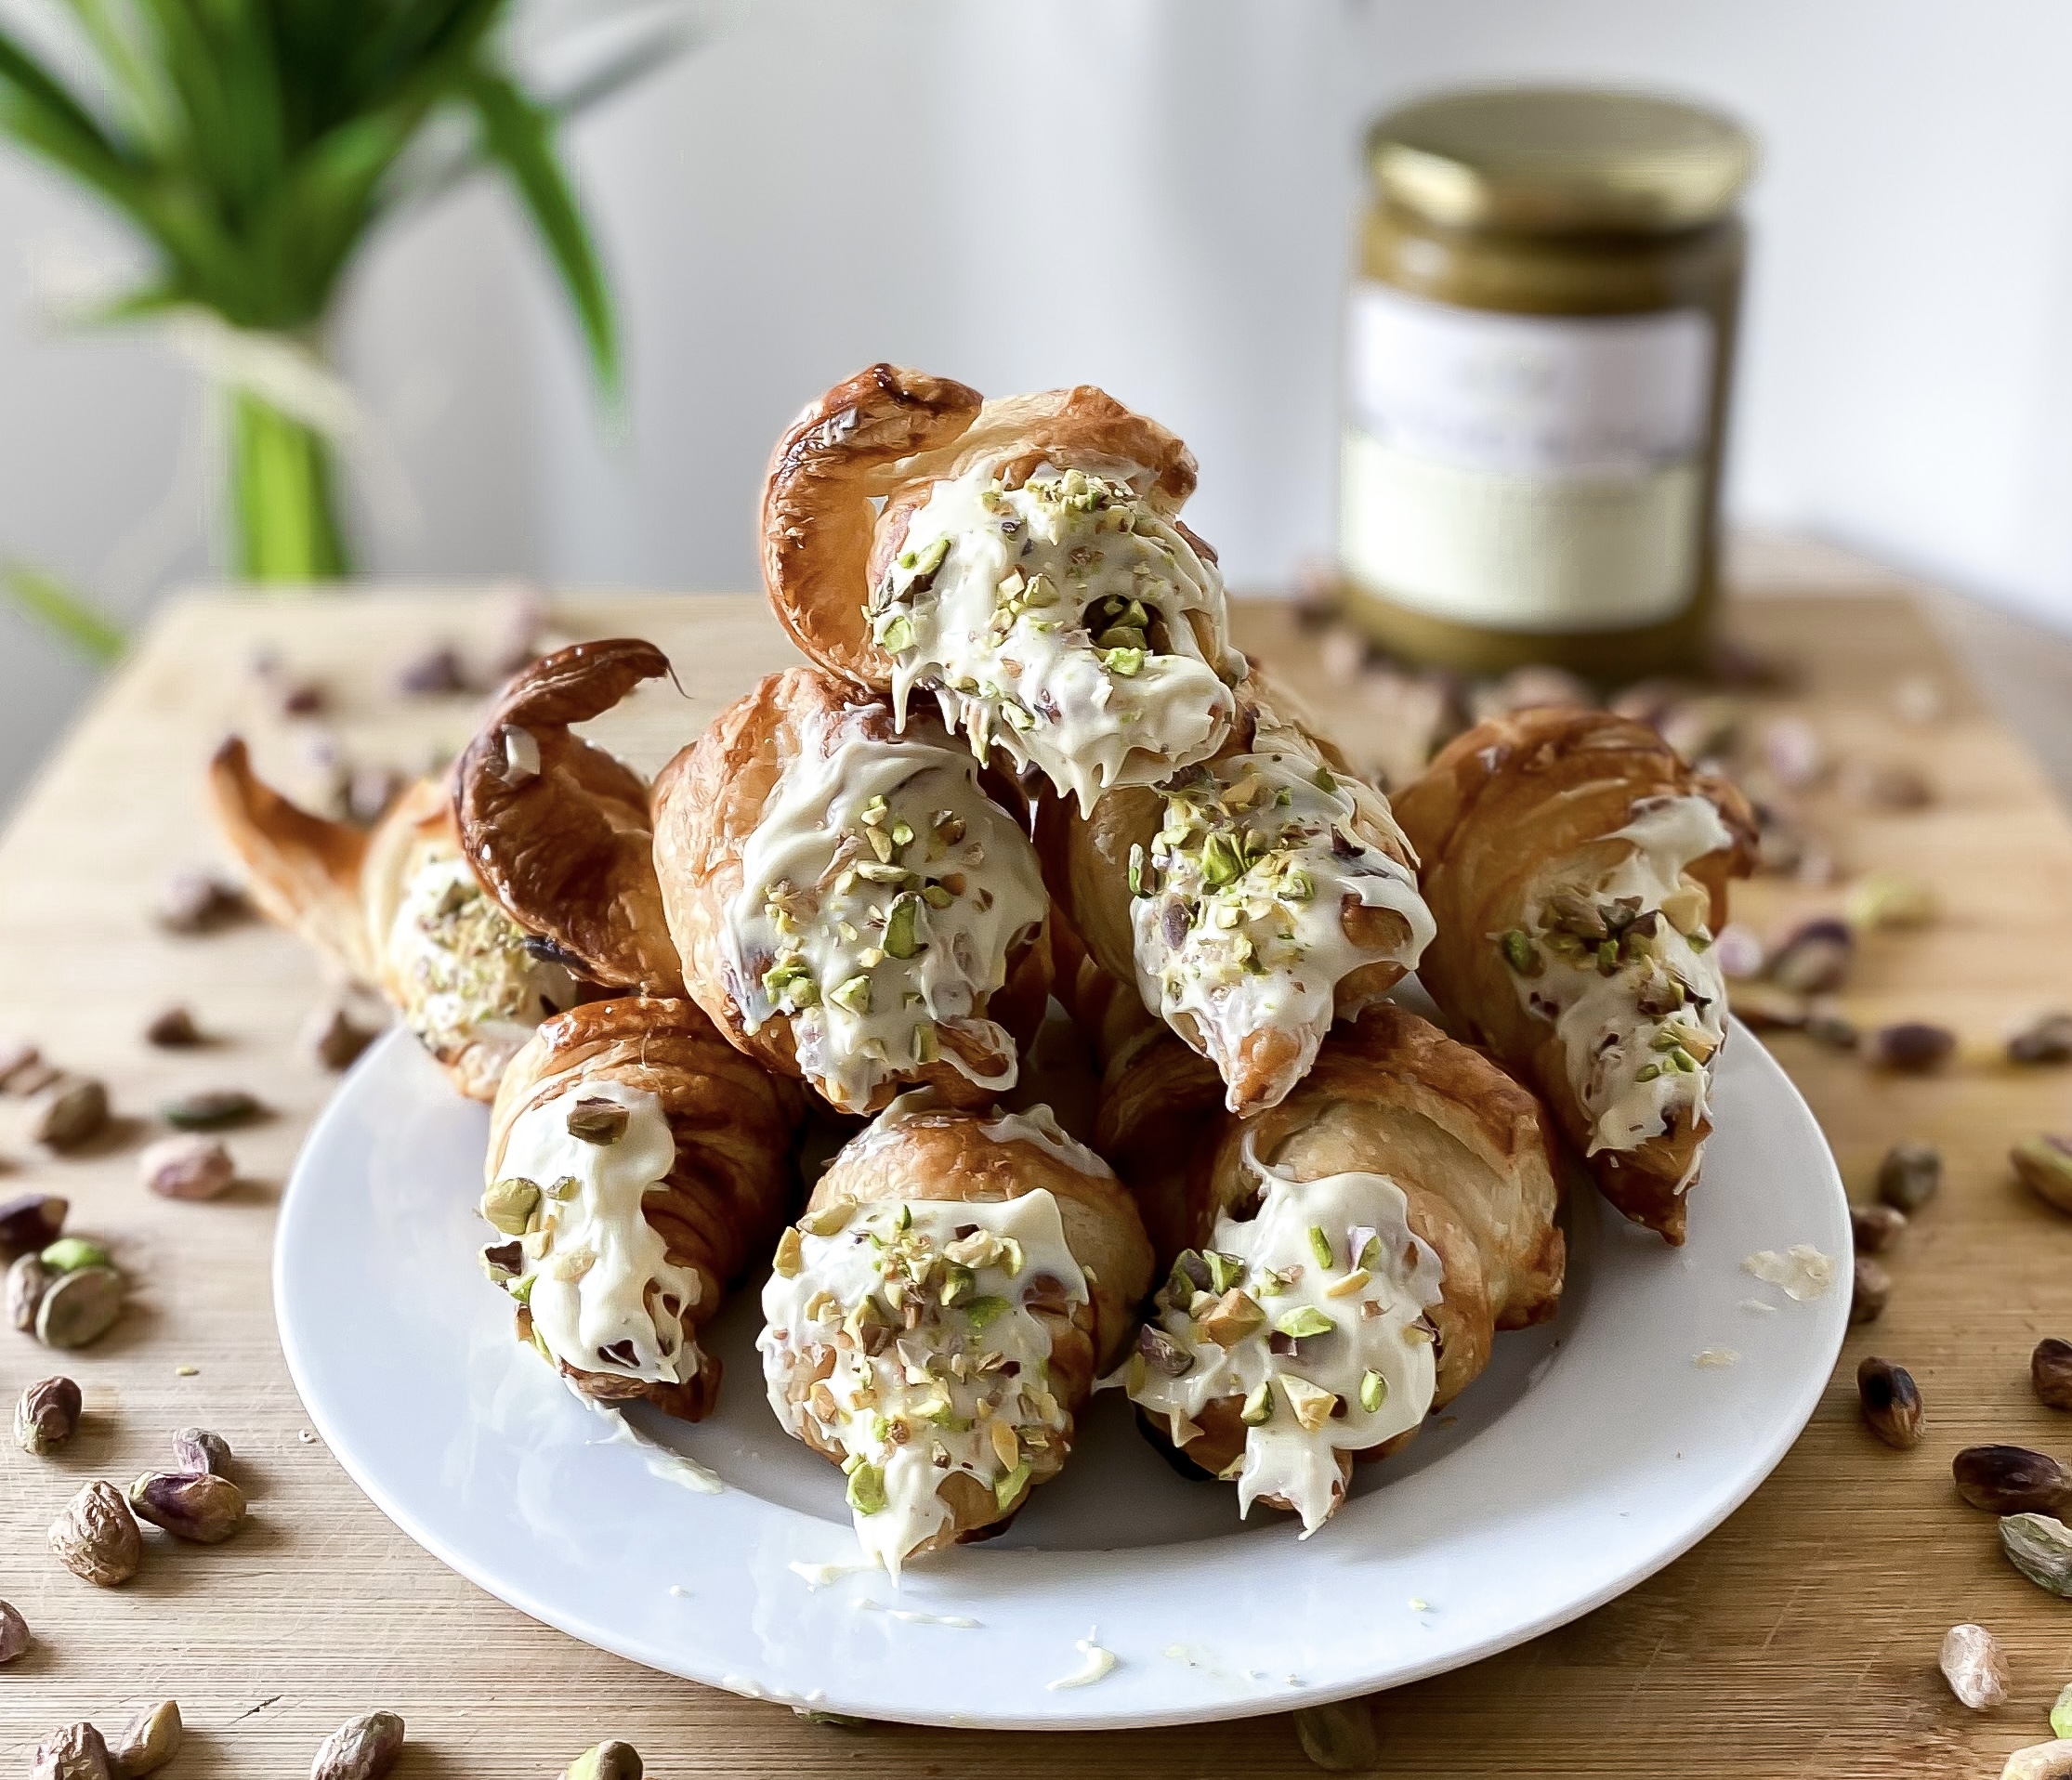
1552,159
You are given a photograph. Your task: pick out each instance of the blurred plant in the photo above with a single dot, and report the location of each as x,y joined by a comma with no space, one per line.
254,144
43,596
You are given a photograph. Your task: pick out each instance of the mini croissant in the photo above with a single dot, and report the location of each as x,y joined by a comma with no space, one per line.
1339,1265
1578,868
638,1166
1022,559
400,910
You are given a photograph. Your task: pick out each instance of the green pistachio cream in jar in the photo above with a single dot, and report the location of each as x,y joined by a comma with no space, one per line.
1538,355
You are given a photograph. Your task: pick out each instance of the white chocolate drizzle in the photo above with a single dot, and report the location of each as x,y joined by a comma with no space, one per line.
1057,621
882,892
1802,1272
461,961
1334,1257
911,1617
662,1462
596,1275
1099,1663
1241,906
916,1389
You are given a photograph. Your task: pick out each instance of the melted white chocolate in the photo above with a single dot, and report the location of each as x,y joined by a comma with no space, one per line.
461,961
1240,908
596,1275
1637,1073
1056,621
882,892
916,1390
1366,1374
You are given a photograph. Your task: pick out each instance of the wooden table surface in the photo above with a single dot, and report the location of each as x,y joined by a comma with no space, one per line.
1800,1639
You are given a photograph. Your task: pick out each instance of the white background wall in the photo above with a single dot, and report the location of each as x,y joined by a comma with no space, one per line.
1152,194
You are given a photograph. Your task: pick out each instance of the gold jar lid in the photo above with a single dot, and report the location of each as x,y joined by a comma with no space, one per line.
1555,160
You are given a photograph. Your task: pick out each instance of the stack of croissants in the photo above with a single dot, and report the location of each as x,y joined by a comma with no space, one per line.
1024,761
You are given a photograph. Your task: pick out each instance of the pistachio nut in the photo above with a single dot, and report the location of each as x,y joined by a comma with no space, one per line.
28,1279
333,1039
1339,1737
30,1222
96,1537
1909,1176
2050,1372
211,1109
605,1762
2044,1166
597,1119
174,1029
46,1415
198,1449
1911,1047
1814,958
73,1110
188,1167
2040,1762
2046,1040
193,901
1162,1352
150,1740
79,1307
197,1506
2012,1480
1891,1402
1233,1317
1311,1403
1975,1667
74,1753
14,1634
362,1748
1876,1227
509,1204
2061,1713
831,1219
69,1253
1883,900
1869,1291
2040,1547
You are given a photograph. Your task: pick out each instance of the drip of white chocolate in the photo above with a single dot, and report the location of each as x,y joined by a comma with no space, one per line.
1331,1268
1240,908
882,892
596,1275
465,975
917,1388
1056,621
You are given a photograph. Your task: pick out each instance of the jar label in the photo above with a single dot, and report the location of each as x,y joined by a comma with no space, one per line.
1524,472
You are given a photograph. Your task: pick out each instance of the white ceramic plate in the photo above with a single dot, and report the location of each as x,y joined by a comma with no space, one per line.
1591,1453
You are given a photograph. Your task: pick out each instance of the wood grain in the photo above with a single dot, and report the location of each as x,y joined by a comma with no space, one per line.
1800,1639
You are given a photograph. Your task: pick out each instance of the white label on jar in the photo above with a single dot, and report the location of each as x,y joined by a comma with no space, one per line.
1525,471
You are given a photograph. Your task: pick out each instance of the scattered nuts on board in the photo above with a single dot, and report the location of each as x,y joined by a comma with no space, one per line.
431,672
2012,1480
77,1752
193,901
2040,1762
2040,1547
2046,1040
46,1415
197,1506
1886,900
198,1449
15,1054
174,1030
150,1740
1834,1031
2044,1166
1975,1667
211,1109
188,1167
14,1634
1339,1737
1910,1175
1877,1227
1891,1400
605,1762
1888,785
1763,1007
1869,1292
72,1110
333,1039
30,1222
79,1307
1911,1047
362,1748
96,1538
28,1279
1814,958
2050,1372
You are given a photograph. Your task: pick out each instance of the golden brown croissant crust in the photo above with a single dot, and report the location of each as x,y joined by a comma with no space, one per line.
709,800
730,1187
1503,806
558,829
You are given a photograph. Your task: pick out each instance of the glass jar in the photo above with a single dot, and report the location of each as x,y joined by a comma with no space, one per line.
1540,340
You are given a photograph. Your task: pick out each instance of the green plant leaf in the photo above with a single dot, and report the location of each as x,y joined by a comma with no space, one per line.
519,133
74,618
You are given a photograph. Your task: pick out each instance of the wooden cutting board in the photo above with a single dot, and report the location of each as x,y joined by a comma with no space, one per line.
1800,1639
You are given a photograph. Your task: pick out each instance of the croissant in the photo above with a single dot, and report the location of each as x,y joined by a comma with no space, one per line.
1338,1265
398,909
557,828
1578,868
1027,566
849,905
637,1164
1252,899
937,1319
